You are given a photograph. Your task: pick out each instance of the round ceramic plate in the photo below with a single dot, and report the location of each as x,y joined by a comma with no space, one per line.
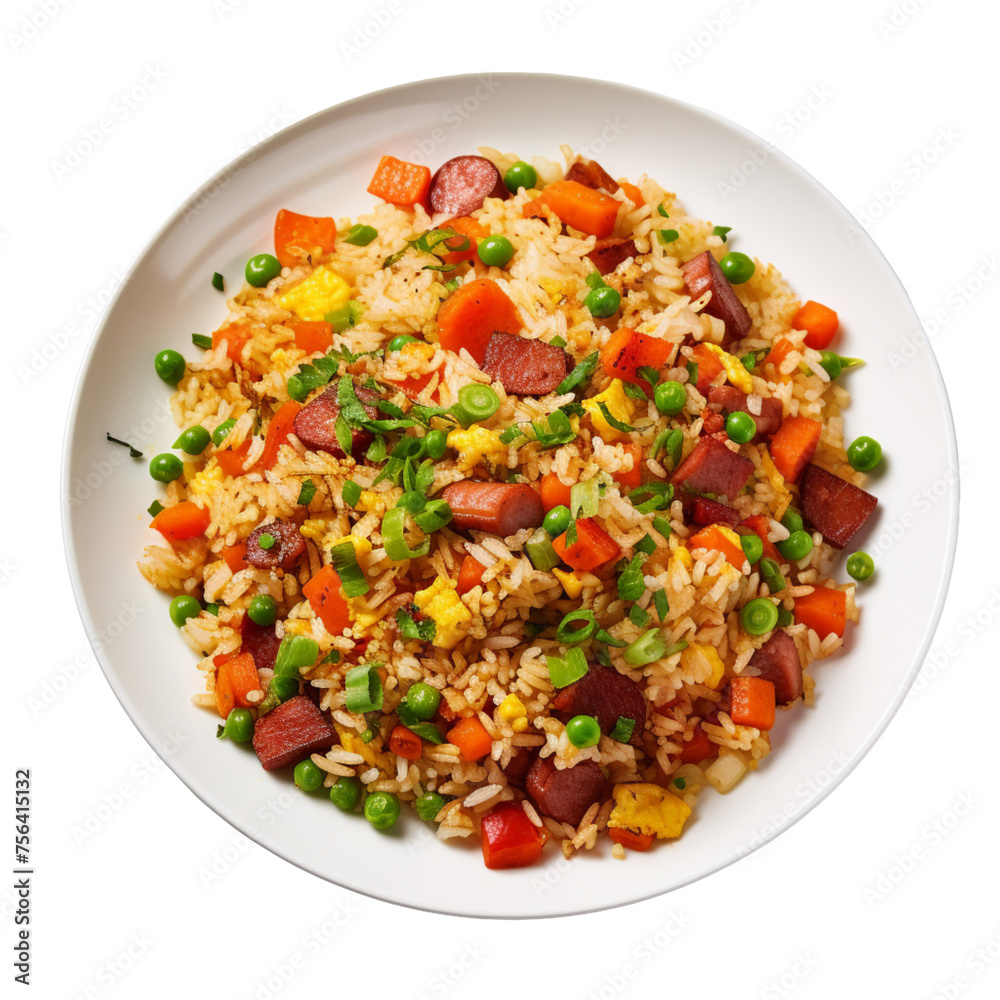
322,166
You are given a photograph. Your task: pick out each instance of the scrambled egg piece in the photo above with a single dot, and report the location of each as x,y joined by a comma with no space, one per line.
371,501
620,406
689,658
477,445
201,484
314,528
733,367
441,602
649,809
553,289
279,358
363,617
571,583
322,292
512,711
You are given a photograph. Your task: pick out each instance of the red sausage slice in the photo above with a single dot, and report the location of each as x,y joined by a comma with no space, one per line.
462,185
591,174
499,508
260,642
713,468
291,732
517,767
607,695
315,423
778,661
729,399
702,274
565,794
608,254
833,506
523,366
288,546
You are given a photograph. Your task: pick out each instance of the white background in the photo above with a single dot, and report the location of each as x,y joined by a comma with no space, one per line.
886,889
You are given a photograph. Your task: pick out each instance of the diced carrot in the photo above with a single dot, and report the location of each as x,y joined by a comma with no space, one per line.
633,194
312,335
760,524
297,236
630,839
820,323
471,738
225,700
231,460
324,594
627,351
470,575
184,520
235,335
581,207
243,677
399,182
793,446
467,227
708,364
235,556
554,492
778,353
222,658
509,838
751,702
405,743
537,208
824,611
277,433
632,479
593,546
472,314
712,538
698,748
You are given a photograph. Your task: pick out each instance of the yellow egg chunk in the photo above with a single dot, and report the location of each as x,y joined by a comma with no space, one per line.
649,809
201,484
691,660
476,445
734,368
440,602
619,405
571,583
322,292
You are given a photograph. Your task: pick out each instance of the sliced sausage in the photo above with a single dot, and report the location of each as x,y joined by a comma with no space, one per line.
591,174
499,508
712,422
260,642
833,506
517,767
713,468
288,545
712,512
523,366
291,732
778,661
608,254
315,424
702,274
565,794
729,399
462,185
607,695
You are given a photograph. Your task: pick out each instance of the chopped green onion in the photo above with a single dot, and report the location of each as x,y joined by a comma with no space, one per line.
662,525
648,648
785,617
306,492
154,508
680,784
332,657
609,640
360,236
266,541
646,545
558,341
584,498
722,231
674,444
475,402
580,374
200,340
631,582
771,575
661,604
595,280
662,211
351,493
623,730
540,551
666,236
749,361
294,653
639,617
759,616
692,370
344,316
567,634
212,609
435,515
658,496
410,629
364,689
531,629
564,671
218,282
396,548
345,562
345,437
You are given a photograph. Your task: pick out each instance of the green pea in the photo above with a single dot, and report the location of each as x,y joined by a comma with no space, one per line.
266,540
382,810
753,548
263,610
183,607
830,363
520,175
583,731
860,565
165,468
557,520
435,444
429,805
792,520
740,427
771,575
737,267
308,776
495,251
423,700
603,302
398,343
670,398
360,236
222,432
749,361
193,441
345,793
261,269
239,726
212,609
864,453
796,546
170,366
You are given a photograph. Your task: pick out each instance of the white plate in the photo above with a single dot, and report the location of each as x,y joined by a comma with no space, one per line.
322,166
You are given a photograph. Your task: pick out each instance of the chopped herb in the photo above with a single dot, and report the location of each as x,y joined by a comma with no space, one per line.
580,374
363,687
680,784
619,425
661,604
345,562
345,437
306,492
154,508
602,654
558,341
510,434
595,280
558,431
451,286
674,443
658,497
584,498
410,629
568,633
332,657
428,242
345,316
663,212
132,450
623,730
609,640
722,231
639,617
634,391
666,236
201,340
651,375
632,582
351,493
662,525
564,671
435,515
218,282
646,544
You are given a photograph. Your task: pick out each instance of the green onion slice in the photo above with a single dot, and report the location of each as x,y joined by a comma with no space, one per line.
639,617
759,616
646,545
565,671
364,689
475,402
410,629
295,652
580,374
218,282
351,493
584,498
566,633
154,508
306,492
345,562
648,648
623,730
661,604
540,551
658,497
631,582
200,340
360,235
396,548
